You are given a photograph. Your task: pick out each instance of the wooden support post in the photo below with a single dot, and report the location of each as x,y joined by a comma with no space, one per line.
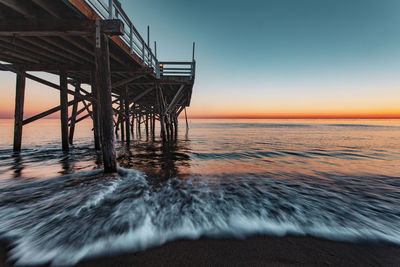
133,120
167,128
64,110
103,78
151,120
138,122
176,125
96,112
150,113
47,112
122,119
126,97
171,125
116,124
19,111
154,122
73,115
187,124
161,114
147,123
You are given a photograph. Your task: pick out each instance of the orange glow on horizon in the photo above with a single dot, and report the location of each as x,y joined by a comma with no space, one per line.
372,113
298,116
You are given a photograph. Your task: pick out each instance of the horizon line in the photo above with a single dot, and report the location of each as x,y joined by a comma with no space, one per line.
274,117
300,117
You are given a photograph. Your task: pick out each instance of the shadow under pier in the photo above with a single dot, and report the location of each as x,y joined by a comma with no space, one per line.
107,71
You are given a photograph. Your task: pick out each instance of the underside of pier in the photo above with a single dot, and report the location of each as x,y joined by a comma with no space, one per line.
89,42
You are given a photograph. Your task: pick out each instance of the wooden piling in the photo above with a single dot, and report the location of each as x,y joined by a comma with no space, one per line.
122,119
176,125
126,96
133,120
64,110
138,122
153,123
96,113
161,112
171,126
103,77
74,114
147,123
187,124
116,124
19,111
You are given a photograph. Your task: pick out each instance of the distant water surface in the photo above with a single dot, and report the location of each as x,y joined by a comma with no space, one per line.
327,178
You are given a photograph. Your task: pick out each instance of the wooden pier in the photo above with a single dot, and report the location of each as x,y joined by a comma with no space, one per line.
93,42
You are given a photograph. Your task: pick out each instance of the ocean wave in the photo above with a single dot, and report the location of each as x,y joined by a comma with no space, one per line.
66,219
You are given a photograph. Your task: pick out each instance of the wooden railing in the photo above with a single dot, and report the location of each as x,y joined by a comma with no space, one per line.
172,68
113,10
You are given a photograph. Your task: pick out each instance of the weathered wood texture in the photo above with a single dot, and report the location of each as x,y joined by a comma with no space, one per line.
103,78
126,109
64,110
19,111
73,116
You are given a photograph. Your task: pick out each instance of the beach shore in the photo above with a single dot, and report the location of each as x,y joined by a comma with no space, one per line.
252,251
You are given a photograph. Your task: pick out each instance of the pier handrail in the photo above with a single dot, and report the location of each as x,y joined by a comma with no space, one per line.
131,37
171,68
137,45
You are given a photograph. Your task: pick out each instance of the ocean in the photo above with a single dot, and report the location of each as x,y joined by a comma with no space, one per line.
334,179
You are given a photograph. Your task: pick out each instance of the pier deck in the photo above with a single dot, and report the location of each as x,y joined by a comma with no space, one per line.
93,42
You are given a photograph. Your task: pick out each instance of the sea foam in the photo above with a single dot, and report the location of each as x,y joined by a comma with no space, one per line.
63,220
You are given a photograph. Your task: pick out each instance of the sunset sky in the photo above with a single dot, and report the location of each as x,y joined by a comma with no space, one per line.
270,58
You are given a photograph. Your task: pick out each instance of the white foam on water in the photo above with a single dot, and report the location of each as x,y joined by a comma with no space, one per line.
127,213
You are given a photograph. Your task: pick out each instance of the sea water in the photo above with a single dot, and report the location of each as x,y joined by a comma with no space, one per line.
335,179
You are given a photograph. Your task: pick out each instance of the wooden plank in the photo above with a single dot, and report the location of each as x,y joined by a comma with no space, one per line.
40,44
103,79
64,110
18,44
137,98
82,118
47,112
57,43
84,8
48,7
19,111
48,27
43,33
87,108
174,100
19,7
127,80
42,81
56,67
10,54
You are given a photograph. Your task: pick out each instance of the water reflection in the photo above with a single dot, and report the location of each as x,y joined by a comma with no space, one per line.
18,165
326,180
159,161
67,165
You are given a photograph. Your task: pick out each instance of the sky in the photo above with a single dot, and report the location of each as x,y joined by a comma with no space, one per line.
270,58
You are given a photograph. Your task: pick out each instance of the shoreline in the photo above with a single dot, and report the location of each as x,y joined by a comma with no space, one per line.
259,250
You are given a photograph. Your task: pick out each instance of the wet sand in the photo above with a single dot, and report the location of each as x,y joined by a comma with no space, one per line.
252,251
